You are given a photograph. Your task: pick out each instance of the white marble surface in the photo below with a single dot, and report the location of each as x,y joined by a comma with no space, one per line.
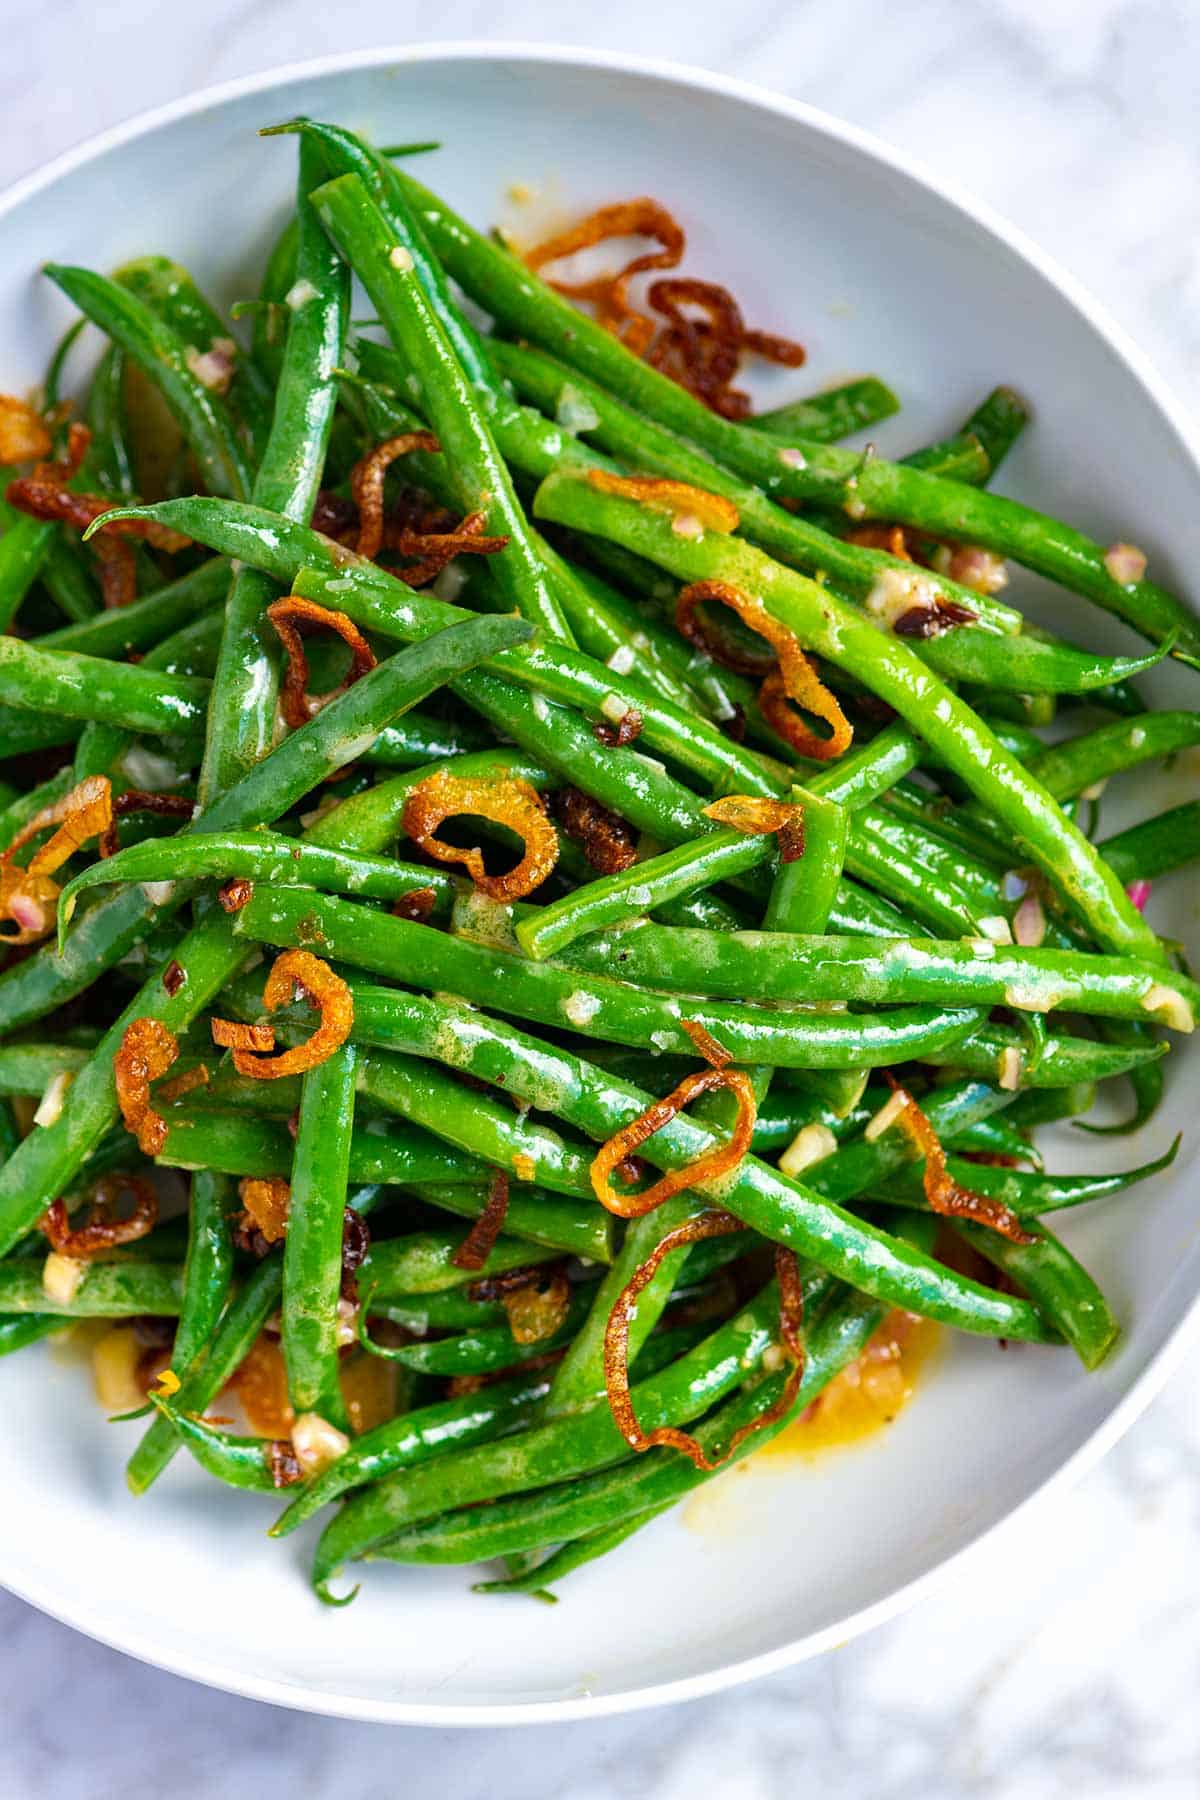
1067,1659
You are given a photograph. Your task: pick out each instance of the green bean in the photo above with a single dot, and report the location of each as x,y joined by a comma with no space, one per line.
203,1379
68,580
105,1291
74,686
536,1214
29,1068
312,1255
240,1144
1026,664
316,568
784,966
421,738
168,289
22,1329
976,451
596,1005
834,413
269,313
259,856
109,453
996,1052
804,470
839,1334
369,243
163,358
210,954
481,1352
1027,1195
1059,1285
144,623
241,1462
424,1264
570,1556
834,631
584,1097
1157,846
241,720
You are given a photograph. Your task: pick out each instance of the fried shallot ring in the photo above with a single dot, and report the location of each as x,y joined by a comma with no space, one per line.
432,550
103,1230
642,217
794,680
717,1161
147,1051
694,510
265,1204
289,616
367,479
85,812
609,844
233,1034
479,1242
713,1223
179,1085
510,802
944,1194
45,495
754,814
703,355
298,971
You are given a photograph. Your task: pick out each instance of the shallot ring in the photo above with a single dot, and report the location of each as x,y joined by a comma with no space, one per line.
510,802
324,990
286,616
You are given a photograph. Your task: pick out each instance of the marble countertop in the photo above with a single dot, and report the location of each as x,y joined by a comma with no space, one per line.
1075,1668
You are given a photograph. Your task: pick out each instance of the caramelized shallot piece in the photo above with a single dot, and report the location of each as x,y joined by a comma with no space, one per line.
289,617
233,1034
941,1190
479,1242
717,1161
713,1223
626,729
536,1312
103,1230
294,974
187,1083
753,814
642,217
609,844
508,802
795,680
265,1204
416,905
694,510
704,354
367,479
147,1051
23,433
417,530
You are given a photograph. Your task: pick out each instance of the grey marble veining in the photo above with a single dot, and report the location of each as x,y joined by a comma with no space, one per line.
1065,1660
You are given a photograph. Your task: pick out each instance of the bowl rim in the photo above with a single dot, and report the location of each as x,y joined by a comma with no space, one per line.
142,1644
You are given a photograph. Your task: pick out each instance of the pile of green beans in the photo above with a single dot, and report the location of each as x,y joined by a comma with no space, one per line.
438,1235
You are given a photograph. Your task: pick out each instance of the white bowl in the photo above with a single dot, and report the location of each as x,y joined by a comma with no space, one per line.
830,236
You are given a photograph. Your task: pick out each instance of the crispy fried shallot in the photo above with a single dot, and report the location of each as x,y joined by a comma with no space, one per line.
642,217
795,680
147,1051
294,974
45,495
416,905
367,479
753,814
265,1203
713,1223
103,1229
943,1193
479,1242
713,1163
703,353
509,802
187,1083
416,529
625,731
291,617
235,894
694,510
609,844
